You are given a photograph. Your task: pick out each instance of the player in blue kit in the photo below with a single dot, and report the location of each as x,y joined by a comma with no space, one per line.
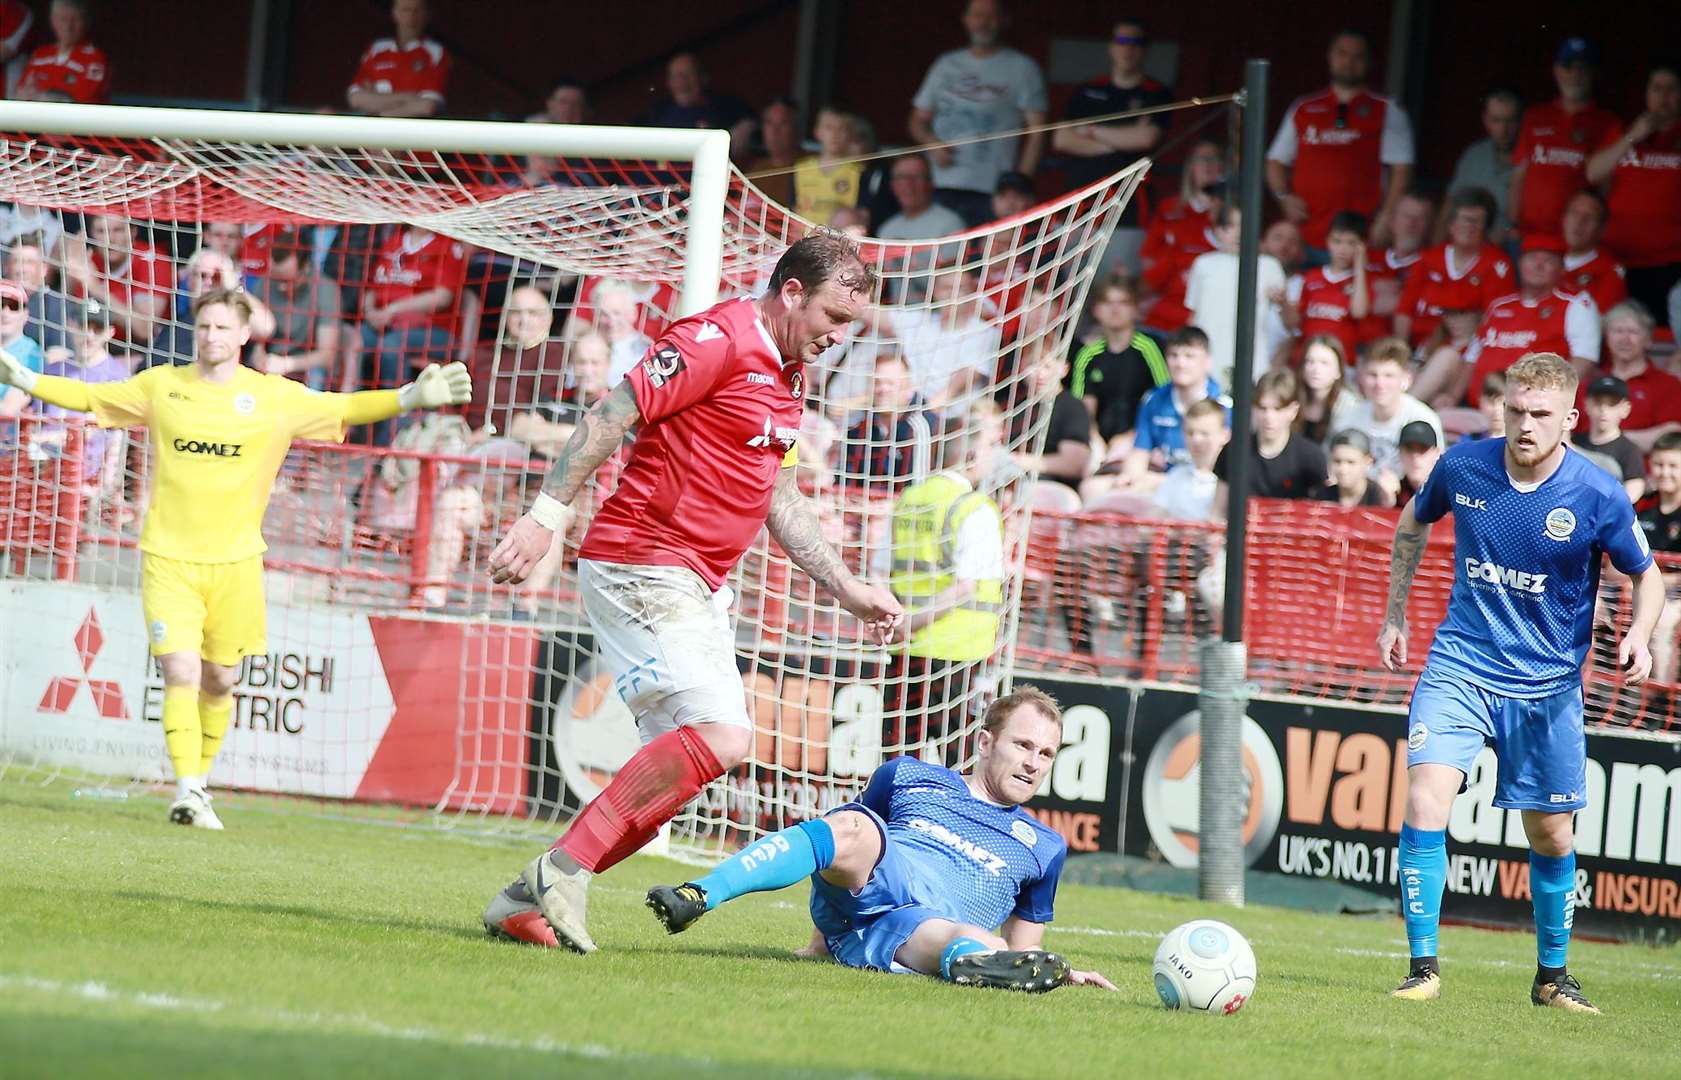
1531,518
929,871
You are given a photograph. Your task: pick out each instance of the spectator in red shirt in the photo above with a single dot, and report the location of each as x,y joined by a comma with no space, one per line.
71,68
1587,267
410,308
1333,148
404,75
1465,274
1332,299
128,277
1387,270
1643,165
1553,146
16,21
1181,229
1654,394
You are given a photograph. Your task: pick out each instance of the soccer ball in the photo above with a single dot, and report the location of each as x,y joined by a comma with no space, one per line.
1205,966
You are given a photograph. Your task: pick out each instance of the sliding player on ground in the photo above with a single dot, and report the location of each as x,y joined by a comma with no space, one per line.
1531,518
716,405
218,433
928,871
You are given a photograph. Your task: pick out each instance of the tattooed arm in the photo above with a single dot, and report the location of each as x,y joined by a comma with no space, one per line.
598,433
1411,538
793,524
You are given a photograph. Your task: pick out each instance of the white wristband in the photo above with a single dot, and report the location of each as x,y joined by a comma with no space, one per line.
548,511
405,397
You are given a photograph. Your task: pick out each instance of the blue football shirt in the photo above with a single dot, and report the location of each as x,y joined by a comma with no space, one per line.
1526,566
990,861
1161,426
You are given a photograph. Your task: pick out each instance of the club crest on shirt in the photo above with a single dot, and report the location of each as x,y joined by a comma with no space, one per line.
1024,832
244,404
1560,524
796,385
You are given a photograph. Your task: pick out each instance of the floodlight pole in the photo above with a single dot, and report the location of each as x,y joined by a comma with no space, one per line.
1223,798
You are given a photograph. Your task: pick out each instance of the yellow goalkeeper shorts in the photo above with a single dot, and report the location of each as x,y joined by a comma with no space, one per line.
213,609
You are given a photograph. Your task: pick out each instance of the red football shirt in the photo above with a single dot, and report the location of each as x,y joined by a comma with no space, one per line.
420,67
79,73
1598,275
1177,234
1654,398
1337,151
1513,327
1554,146
16,20
1645,224
720,413
145,272
1439,284
1386,274
406,267
1324,297
656,305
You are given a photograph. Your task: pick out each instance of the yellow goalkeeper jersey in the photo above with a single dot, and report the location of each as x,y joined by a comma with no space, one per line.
216,448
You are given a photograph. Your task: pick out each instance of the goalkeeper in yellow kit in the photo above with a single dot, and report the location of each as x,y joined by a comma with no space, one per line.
219,433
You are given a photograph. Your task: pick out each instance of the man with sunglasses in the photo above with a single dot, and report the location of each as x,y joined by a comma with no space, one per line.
1341,148
1094,151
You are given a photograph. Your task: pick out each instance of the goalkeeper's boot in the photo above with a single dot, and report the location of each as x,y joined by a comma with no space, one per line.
1031,970
513,915
1564,992
206,817
193,808
562,896
677,907
1421,984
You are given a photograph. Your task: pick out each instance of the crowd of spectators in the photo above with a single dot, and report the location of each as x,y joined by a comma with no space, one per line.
1392,302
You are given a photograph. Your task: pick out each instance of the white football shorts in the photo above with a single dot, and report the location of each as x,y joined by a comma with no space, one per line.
666,640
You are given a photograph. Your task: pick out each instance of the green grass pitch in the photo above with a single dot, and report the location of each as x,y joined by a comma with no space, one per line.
301,945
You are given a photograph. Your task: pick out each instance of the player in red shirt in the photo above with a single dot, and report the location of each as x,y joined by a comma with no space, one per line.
1465,274
1180,229
405,75
1537,318
1550,158
1333,299
131,279
716,404
1587,267
1643,165
1331,151
70,69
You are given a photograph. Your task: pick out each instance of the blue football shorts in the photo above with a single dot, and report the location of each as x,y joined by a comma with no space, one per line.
1539,742
865,929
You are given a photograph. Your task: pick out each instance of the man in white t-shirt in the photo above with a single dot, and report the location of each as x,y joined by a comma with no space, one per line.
985,88
951,347
919,216
1384,377
1211,296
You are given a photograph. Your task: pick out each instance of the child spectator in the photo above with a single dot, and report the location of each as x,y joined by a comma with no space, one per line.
14,316
1492,404
1118,366
1385,376
1326,395
1282,464
1333,299
1211,297
1068,439
1420,446
827,181
1159,437
89,361
1187,491
1607,406
1659,515
1351,472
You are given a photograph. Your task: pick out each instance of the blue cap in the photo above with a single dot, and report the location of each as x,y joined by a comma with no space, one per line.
1576,50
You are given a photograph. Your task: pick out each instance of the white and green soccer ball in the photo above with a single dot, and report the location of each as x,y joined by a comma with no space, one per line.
1205,966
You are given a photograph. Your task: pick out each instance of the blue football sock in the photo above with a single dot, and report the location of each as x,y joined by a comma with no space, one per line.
1552,883
962,946
776,862
1424,874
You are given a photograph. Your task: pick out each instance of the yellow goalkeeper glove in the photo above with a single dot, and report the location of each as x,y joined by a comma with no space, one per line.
14,373
437,386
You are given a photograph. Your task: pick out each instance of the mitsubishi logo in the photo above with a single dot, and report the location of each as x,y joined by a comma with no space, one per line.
107,693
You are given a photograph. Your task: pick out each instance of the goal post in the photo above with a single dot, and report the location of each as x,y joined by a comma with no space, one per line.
396,672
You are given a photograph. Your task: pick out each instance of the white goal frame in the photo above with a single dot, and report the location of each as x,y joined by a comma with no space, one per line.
708,151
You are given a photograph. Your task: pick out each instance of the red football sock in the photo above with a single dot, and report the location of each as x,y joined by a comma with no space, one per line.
654,784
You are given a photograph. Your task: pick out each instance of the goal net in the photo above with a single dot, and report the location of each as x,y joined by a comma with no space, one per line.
548,259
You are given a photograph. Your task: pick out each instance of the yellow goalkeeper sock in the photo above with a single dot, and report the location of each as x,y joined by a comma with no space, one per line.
213,714
181,730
